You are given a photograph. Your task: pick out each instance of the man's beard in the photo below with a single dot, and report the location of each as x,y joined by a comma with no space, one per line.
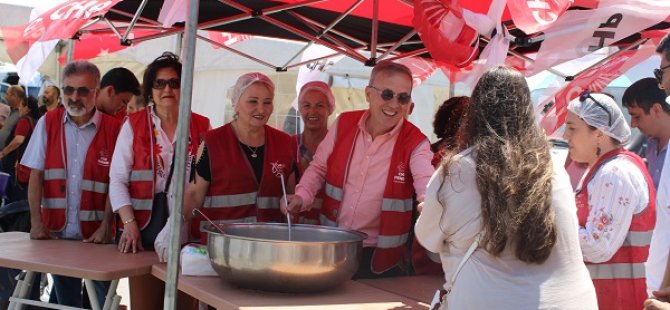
76,108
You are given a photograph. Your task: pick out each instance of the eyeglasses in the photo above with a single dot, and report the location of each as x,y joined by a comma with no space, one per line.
81,91
160,83
587,95
658,73
387,95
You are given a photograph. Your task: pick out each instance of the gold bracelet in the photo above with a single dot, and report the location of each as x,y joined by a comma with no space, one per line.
128,221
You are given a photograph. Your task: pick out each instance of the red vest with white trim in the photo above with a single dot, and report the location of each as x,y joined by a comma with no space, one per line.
620,282
312,215
95,178
143,172
234,194
397,203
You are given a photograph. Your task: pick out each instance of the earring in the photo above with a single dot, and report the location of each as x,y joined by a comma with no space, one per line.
598,150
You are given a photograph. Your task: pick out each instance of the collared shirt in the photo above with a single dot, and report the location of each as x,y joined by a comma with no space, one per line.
122,163
660,238
77,141
655,159
366,181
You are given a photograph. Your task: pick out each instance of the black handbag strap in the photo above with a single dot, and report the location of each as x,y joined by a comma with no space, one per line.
169,179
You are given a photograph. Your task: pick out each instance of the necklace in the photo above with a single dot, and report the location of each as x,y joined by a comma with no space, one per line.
253,151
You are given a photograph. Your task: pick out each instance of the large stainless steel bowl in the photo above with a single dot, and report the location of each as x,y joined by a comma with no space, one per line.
260,256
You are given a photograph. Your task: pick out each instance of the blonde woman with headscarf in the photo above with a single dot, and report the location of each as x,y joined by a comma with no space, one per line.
238,164
615,201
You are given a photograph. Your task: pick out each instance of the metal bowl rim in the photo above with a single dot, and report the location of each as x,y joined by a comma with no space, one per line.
211,230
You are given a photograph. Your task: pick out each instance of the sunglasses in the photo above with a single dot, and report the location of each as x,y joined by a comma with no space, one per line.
160,83
81,91
587,95
387,95
658,73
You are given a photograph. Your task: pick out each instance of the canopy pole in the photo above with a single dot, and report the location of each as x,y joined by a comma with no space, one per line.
375,35
70,51
171,284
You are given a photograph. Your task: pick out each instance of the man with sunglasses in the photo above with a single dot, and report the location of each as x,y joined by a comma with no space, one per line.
117,87
70,153
664,50
372,163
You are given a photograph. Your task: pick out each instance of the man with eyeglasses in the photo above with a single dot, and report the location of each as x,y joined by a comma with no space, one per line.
372,163
117,87
70,153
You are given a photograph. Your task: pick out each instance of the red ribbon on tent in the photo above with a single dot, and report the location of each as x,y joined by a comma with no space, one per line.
61,22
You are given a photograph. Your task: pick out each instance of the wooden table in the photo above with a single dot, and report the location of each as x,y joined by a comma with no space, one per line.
351,295
73,259
417,288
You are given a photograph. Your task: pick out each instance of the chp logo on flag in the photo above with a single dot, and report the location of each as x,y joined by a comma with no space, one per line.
60,22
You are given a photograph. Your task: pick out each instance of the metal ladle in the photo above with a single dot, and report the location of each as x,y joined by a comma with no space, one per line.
288,214
208,220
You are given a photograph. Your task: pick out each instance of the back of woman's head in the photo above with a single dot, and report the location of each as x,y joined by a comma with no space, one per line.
448,119
31,103
514,167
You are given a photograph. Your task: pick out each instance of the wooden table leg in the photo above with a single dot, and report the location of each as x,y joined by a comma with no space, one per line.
147,293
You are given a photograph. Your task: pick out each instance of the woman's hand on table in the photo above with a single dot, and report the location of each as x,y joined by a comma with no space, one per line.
130,240
40,232
101,235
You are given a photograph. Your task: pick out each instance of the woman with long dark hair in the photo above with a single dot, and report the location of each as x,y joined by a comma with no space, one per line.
502,198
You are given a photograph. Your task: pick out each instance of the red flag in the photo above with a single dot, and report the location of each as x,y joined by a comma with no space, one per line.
226,38
92,45
532,16
579,33
594,79
61,22
444,32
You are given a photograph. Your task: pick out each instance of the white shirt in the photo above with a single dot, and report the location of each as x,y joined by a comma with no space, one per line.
451,218
122,163
617,191
77,140
660,240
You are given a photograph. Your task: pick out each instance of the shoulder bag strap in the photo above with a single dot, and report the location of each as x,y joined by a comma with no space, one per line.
473,247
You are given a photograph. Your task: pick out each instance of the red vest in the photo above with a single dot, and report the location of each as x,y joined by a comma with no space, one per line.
95,178
397,204
143,173
311,216
234,194
620,282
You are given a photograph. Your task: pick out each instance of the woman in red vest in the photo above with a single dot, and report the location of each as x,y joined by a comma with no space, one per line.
239,164
141,169
615,201
315,104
